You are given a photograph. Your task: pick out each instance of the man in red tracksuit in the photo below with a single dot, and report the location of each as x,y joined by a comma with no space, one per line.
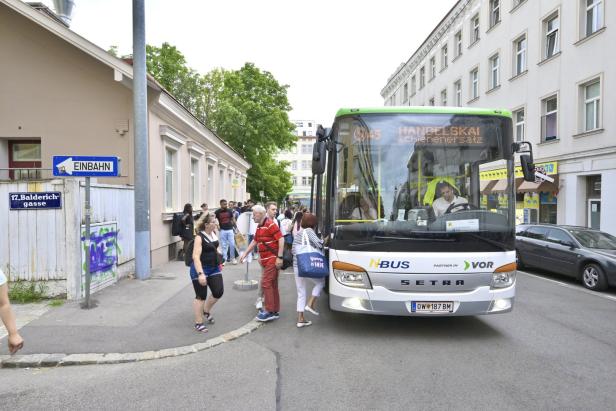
270,241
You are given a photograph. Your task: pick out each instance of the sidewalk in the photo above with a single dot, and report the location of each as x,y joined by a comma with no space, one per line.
136,316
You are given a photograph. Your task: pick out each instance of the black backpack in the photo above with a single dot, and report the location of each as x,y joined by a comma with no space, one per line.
176,224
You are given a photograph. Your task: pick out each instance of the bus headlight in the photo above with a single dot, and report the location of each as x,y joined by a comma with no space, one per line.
504,276
351,275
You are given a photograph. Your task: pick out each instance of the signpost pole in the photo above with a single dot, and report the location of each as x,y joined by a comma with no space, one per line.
142,162
86,305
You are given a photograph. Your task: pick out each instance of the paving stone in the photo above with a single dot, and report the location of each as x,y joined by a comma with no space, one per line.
147,355
52,360
12,361
168,352
189,349
81,359
111,358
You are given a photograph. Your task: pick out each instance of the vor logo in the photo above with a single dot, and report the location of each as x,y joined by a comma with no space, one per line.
477,264
379,263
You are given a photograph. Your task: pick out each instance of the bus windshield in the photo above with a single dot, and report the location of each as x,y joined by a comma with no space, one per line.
423,182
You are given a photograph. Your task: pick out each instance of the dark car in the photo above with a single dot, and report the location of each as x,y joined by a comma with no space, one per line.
585,254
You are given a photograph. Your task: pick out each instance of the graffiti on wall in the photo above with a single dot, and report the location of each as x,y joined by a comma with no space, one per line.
104,252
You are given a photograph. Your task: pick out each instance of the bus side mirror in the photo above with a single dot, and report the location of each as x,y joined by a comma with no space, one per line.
528,168
318,157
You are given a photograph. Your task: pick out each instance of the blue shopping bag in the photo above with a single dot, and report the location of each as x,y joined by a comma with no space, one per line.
310,261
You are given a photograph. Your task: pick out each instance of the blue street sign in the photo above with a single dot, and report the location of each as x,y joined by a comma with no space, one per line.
35,201
85,166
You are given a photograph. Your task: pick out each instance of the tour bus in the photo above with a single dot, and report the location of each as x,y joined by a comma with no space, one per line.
417,208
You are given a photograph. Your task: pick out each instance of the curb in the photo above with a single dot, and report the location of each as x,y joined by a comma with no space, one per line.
62,360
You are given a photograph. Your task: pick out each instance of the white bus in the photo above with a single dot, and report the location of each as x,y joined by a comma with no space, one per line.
417,205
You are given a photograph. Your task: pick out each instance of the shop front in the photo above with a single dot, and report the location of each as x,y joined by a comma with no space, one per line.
536,201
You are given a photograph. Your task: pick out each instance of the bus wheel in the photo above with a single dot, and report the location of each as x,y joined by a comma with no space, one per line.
593,277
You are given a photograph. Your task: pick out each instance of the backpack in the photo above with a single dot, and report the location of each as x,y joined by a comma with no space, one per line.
176,224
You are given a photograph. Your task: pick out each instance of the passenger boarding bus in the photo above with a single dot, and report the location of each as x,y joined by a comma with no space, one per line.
417,206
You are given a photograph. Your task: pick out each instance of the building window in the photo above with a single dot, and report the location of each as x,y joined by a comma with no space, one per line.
405,93
293,165
413,85
444,57
306,181
306,164
432,67
309,124
422,77
494,71
458,43
551,36
221,184
549,120
431,102
294,180
194,180
494,12
444,97
475,29
518,119
592,100
519,58
306,149
474,84
170,175
303,133
516,3
458,89
593,16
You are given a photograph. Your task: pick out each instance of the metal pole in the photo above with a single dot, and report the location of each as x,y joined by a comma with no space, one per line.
140,112
87,245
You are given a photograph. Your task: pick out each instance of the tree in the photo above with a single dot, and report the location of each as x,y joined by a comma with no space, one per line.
247,108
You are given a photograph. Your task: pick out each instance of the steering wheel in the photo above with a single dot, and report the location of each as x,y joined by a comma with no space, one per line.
461,206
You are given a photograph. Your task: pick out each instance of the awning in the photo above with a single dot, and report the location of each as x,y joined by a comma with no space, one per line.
486,185
500,186
536,187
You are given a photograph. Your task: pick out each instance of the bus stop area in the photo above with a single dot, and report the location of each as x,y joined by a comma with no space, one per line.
135,320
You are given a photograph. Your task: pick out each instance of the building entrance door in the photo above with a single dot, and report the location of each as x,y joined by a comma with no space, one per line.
594,214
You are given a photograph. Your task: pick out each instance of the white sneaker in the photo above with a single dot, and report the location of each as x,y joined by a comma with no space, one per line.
310,309
303,324
234,261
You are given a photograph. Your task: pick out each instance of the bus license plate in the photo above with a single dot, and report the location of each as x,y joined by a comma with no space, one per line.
432,306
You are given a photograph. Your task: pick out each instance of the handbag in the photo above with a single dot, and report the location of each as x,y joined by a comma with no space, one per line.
240,240
311,262
287,256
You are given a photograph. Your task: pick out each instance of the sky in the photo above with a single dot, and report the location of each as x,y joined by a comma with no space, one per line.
331,53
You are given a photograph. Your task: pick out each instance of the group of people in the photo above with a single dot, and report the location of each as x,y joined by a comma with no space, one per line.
213,245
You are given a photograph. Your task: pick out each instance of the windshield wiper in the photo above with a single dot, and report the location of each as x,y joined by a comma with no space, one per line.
419,239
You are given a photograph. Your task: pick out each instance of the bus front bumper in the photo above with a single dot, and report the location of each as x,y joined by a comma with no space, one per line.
381,301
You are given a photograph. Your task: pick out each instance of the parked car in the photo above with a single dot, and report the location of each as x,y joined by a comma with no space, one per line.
585,254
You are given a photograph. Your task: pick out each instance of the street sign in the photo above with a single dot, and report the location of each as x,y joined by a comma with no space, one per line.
85,166
35,201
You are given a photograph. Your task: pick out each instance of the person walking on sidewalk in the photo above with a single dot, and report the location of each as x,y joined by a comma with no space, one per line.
7,316
270,241
206,271
308,224
188,226
227,223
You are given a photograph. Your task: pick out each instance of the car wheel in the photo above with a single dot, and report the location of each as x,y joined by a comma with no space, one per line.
593,277
520,263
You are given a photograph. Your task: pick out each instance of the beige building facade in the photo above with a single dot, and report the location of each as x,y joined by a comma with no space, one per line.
62,95
548,62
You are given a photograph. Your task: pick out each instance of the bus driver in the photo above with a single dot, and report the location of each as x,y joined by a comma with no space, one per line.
447,198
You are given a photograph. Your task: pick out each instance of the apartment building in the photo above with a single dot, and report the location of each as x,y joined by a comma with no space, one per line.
548,63
300,158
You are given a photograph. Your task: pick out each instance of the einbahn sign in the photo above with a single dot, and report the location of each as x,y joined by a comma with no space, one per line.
85,166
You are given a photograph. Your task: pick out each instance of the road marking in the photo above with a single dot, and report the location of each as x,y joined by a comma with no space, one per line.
573,287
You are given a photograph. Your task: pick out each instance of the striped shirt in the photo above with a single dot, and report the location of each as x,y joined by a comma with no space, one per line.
267,236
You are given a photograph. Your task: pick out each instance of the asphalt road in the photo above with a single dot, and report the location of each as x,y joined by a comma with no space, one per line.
556,350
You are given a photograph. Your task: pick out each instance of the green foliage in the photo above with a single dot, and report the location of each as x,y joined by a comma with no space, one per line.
247,108
24,292
56,303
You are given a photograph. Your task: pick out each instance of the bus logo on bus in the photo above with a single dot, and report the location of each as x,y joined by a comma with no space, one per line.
477,264
379,263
